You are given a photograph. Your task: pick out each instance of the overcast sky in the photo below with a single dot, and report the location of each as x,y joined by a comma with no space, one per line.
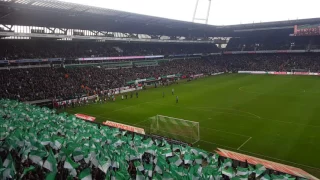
223,12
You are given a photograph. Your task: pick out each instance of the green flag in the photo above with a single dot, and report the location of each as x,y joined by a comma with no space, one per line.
251,169
85,174
240,178
152,149
278,177
140,176
77,155
51,176
7,161
227,163
147,143
188,159
123,175
50,163
265,177
104,164
242,171
37,156
198,159
27,170
157,176
139,166
175,160
10,171
260,169
228,171
167,176
148,169
69,164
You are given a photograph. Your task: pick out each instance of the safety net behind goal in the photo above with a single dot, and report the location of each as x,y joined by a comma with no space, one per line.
179,129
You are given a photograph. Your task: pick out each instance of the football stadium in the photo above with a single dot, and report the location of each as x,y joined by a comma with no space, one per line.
90,93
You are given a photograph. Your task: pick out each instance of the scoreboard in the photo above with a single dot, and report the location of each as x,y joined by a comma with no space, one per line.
307,30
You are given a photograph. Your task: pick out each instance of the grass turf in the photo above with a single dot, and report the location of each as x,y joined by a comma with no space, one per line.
272,117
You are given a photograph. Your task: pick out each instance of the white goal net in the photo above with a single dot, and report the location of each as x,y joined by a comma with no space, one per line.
179,129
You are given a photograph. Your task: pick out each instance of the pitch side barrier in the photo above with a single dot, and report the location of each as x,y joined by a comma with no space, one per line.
280,73
297,172
116,91
131,129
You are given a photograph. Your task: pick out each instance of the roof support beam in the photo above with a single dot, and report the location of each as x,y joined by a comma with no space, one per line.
9,27
52,30
96,33
63,30
31,2
5,15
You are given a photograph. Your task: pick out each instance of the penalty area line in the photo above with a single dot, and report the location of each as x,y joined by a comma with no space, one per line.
244,143
141,122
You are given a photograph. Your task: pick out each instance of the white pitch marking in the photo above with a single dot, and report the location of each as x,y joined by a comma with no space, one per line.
225,132
257,154
221,112
287,122
244,143
231,109
141,122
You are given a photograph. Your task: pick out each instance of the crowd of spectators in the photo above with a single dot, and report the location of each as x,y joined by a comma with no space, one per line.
46,83
267,62
31,49
272,43
43,83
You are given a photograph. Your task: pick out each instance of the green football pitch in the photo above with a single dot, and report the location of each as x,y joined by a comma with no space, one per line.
271,117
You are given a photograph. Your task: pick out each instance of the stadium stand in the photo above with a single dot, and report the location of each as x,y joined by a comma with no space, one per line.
61,146
22,49
47,83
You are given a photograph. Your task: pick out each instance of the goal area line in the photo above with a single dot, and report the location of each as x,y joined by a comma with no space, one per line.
178,118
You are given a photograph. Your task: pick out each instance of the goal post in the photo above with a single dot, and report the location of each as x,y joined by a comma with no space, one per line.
175,128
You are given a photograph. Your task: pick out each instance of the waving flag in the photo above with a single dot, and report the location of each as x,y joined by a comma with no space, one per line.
148,169
69,164
85,175
175,160
140,176
51,163
260,169
51,176
27,170
228,172
242,171
37,156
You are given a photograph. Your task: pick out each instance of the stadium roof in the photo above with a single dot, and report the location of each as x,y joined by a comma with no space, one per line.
52,13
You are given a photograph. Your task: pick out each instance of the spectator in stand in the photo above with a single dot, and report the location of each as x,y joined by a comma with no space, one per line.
32,49
47,83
